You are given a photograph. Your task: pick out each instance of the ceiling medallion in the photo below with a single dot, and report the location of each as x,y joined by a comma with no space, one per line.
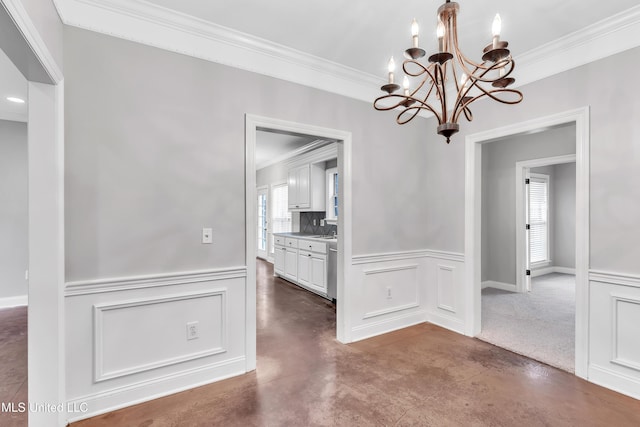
450,82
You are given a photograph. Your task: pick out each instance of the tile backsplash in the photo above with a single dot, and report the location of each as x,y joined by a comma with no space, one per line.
306,223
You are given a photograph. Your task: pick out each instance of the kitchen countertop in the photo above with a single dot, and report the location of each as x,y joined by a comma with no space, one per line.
306,236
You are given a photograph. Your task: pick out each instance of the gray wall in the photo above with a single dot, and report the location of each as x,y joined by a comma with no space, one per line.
498,194
13,209
46,20
614,170
155,151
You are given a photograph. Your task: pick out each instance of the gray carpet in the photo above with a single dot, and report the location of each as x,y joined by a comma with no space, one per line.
539,324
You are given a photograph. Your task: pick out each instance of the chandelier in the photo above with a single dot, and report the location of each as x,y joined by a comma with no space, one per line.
450,82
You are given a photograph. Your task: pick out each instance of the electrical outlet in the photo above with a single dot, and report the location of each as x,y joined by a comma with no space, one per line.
388,292
207,235
192,330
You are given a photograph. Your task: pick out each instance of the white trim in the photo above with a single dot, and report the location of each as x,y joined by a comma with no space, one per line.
144,391
388,325
22,20
552,269
615,358
445,321
499,285
607,37
17,301
521,215
613,380
14,117
405,255
291,154
252,123
153,25
100,374
473,178
96,286
615,278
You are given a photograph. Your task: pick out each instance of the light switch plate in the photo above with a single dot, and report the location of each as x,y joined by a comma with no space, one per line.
207,235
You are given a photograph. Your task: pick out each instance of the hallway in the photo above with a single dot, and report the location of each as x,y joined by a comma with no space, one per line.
420,376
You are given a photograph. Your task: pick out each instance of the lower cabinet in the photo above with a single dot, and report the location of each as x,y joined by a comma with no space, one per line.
278,262
305,266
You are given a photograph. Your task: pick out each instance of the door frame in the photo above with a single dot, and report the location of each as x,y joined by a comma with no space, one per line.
45,127
521,262
473,200
252,124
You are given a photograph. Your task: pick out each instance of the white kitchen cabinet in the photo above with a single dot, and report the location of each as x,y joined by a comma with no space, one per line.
306,186
303,262
291,264
278,264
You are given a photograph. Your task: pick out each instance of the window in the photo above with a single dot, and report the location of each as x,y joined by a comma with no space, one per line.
280,215
539,218
332,195
262,220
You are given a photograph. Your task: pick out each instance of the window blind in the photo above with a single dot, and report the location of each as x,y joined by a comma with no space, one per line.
538,219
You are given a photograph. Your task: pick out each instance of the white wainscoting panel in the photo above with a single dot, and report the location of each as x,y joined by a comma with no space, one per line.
614,340
127,338
125,342
399,289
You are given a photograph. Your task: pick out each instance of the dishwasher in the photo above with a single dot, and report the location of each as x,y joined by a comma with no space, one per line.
332,272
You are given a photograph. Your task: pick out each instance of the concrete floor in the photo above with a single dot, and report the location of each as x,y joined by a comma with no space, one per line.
418,376
13,365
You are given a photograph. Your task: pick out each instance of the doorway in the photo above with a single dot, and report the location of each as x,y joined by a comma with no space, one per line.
533,317
263,223
473,217
254,123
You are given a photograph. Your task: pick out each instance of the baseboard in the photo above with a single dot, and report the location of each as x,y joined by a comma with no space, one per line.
447,322
552,269
114,399
499,285
388,325
616,381
17,301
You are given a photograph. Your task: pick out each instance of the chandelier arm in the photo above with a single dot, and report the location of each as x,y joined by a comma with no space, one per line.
423,106
490,95
440,75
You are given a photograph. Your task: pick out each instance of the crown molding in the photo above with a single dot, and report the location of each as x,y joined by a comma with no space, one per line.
153,25
294,153
608,37
13,117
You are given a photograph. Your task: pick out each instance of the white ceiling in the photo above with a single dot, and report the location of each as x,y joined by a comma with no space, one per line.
363,34
12,83
272,146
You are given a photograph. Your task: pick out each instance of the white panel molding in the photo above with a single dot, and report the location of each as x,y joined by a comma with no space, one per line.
143,391
441,305
406,255
152,281
98,326
614,278
499,285
154,25
391,324
608,37
615,331
414,304
614,380
17,301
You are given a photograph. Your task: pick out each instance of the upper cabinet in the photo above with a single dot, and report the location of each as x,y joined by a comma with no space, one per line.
307,188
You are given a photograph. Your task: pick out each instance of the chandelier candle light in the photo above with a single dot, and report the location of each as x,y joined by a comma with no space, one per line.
450,82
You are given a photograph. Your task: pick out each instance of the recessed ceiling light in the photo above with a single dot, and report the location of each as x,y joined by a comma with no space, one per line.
16,100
